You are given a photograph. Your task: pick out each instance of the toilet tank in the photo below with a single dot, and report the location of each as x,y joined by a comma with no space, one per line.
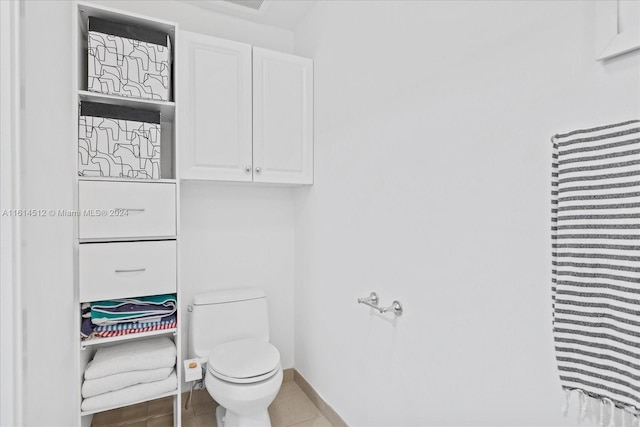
227,315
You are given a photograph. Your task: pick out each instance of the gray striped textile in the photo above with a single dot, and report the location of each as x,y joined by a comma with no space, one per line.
596,262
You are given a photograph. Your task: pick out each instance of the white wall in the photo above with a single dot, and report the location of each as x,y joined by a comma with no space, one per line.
47,178
10,312
432,154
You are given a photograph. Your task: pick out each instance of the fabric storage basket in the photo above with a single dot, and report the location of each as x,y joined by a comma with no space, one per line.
116,141
128,61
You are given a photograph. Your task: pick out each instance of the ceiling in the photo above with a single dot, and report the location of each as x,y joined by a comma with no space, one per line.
285,14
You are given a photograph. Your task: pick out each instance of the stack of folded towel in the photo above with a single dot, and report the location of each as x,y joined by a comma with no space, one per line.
128,316
128,373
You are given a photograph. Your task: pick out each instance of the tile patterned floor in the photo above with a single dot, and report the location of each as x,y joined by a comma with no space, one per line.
291,408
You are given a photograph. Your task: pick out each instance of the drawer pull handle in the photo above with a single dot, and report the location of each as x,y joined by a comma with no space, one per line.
134,270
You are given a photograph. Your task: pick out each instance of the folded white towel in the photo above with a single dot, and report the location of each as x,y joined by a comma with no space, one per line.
132,394
122,380
132,356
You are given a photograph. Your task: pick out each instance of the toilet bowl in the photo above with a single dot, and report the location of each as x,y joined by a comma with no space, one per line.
244,377
243,370
244,405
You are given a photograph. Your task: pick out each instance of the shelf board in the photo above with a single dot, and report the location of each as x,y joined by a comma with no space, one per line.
112,179
160,396
126,239
87,9
167,109
98,341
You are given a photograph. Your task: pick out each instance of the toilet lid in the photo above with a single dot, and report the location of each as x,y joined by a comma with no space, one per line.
244,359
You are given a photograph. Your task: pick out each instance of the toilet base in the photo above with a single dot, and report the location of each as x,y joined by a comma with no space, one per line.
226,418
220,411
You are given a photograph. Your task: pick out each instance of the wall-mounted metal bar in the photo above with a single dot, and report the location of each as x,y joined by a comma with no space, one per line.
373,301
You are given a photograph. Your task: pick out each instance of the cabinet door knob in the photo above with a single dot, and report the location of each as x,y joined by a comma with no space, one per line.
247,169
258,170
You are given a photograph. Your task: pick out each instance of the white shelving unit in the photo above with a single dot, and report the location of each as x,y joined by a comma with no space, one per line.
168,174
103,179
167,108
99,341
161,396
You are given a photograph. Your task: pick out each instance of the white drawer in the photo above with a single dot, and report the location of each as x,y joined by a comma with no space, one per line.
126,209
126,269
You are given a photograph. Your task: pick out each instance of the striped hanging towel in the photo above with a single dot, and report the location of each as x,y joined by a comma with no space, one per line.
596,263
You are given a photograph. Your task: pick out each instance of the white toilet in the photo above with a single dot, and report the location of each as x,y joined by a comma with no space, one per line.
230,328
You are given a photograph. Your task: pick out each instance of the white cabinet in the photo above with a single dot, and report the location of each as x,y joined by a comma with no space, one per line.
282,118
214,77
246,113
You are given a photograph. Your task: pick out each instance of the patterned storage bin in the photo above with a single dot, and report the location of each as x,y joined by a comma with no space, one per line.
116,141
128,61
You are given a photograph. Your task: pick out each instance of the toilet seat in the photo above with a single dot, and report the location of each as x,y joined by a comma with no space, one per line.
250,380
244,361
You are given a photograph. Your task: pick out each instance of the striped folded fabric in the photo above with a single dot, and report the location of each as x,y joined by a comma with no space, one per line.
141,309
133,328
596,264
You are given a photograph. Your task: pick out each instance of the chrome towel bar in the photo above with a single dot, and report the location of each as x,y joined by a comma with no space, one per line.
373,300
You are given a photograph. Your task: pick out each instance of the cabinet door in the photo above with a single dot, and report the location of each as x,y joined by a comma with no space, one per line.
214,94
282,118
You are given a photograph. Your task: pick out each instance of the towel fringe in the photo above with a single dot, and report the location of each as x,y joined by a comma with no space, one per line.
580,404
629,415
565,405
633,412
612,417
584,405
